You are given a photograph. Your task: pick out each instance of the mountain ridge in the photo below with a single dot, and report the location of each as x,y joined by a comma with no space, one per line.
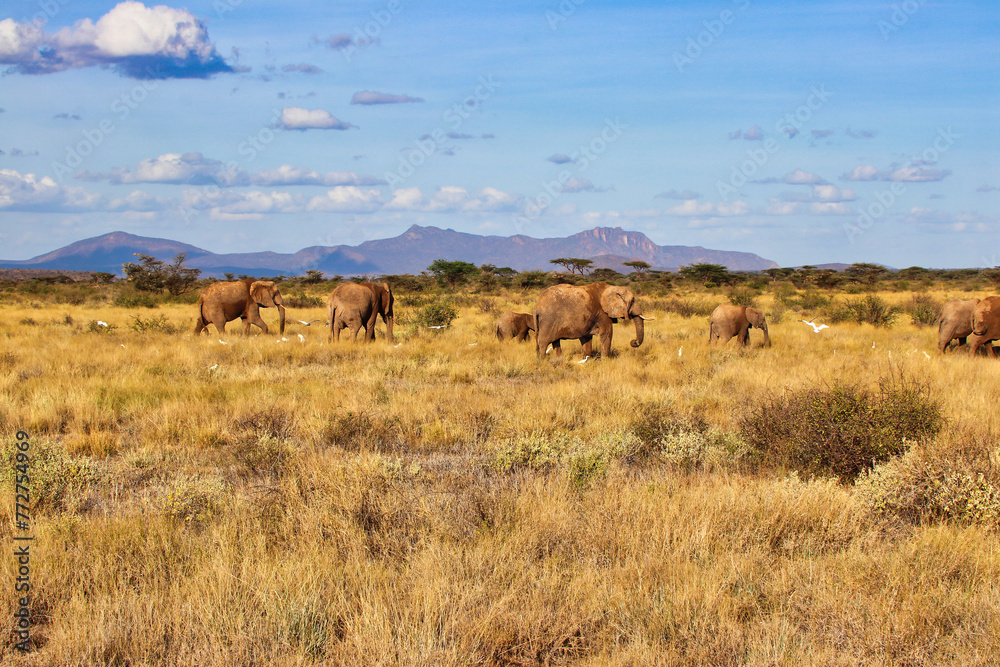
410,252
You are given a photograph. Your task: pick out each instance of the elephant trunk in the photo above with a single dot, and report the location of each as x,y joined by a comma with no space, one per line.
389,321
640,331
281,317
767,339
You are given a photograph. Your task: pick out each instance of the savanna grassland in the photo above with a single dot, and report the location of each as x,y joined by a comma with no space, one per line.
451,500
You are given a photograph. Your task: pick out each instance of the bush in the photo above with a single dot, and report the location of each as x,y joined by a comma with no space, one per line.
743,297
438,314
134,300
684,307
935,485
105,328
923,310
153,324
871,310
841,430
304,301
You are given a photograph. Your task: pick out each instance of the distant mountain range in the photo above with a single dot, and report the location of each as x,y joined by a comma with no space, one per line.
410,252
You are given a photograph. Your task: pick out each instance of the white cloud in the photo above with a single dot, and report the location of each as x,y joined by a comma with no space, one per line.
692,207
908,174
347,199
287,174
141,42
821,194
28,193
675,194
583,185
297,118
776,207
452,198
173,168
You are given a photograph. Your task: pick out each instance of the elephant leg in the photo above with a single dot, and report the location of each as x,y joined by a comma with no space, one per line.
370,326
962,340
974,343
557,347
254,318
587,343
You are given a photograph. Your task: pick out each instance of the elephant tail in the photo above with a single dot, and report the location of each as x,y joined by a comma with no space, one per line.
201,323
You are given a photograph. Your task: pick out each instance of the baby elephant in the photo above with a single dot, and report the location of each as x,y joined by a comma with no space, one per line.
515,325
728,321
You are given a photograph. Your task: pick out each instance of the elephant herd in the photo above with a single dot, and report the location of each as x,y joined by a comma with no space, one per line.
562,312
973,320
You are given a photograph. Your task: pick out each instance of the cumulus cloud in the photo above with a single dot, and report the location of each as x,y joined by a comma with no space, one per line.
987,188
371,97
26,192
452,198
752,134
559,158
932,220
797,177
342,42
287,174
172,168
140,42
66,116
692,207
297,118
347,199
908,174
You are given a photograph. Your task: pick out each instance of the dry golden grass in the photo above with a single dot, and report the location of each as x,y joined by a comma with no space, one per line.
454,500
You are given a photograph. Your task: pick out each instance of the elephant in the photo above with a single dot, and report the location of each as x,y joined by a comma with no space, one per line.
225,301
515,325
955,321
728,321
356,305
570,311
985,325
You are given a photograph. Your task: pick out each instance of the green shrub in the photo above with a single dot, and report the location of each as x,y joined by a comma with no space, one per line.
743,297
922,485
873,310
153,324
130,299
94,327
923,310
440,314
840,430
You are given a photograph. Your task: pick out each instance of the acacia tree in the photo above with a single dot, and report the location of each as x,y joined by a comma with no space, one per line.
153,275
865,272
639,266
707,273
573,264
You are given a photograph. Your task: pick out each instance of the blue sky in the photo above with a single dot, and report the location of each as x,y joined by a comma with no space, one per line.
805,132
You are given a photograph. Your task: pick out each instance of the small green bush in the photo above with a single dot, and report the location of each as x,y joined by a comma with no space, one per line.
923,310
743,297
134,300
873,310
923,485
153,324
438,314
94,327
841,430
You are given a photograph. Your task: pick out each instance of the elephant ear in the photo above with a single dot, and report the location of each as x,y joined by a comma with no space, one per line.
387,299
755,317
616,302
261,291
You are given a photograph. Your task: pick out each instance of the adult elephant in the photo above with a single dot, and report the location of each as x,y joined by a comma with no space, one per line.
985,325
356,305
728,321
515,325
225,301
955,322
570,311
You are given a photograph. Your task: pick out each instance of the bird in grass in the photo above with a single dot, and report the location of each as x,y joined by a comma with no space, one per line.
440,326
473,344
927,355
816,327
873,345
212,368
223,342
584,360
309,323
680,350
101,324
302,338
